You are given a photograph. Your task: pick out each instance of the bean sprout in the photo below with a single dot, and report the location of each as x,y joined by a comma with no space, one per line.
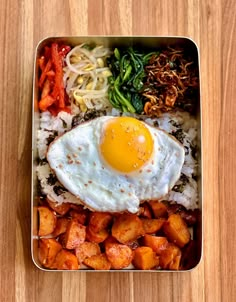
86,77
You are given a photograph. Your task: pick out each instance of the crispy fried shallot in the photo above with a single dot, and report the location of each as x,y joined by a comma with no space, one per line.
172,81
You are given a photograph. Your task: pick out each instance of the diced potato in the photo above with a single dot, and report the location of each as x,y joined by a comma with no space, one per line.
65,260
61,226
159,209
151,226
61,209
96,237
48,249
158,244
127,228
119,255
99,221
175,264
176,230
79,216
87,249
75,234
43,252
145,211
47,221
110,239
170,257
145,258
98,262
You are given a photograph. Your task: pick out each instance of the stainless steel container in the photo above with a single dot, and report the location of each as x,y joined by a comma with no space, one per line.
141,42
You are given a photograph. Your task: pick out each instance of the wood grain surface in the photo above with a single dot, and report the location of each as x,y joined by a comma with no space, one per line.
211,23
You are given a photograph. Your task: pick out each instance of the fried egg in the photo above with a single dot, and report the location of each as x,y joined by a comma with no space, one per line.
114,163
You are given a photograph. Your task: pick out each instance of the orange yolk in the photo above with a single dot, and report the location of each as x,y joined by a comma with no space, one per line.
126,144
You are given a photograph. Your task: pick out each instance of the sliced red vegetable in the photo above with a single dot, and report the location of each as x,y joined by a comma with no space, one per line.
64,49
46,89
50,74
41,62
44,73
47,52
53,94
58,90
46,102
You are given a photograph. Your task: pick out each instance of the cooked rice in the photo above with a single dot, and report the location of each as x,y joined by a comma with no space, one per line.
179,124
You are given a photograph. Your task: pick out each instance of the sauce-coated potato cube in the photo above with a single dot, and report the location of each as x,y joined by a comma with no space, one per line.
96,237
65,260
98,262
176,230
145,258
79,216
158,208
99,221
48,249
47,221
151,226
119,255
170,257
75,234
61,209
61,226
87,249
158,244
127,228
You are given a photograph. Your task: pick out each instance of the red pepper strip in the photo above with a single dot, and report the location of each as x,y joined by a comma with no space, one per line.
46,89
51,73
44,73
47,52
41,62
58,91
46,102
64,49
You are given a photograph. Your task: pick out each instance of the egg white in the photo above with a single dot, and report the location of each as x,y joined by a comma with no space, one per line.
79,167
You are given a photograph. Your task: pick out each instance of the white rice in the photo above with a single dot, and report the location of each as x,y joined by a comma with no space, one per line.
185,191
51,126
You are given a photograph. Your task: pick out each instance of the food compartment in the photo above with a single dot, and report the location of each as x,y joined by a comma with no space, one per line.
163,236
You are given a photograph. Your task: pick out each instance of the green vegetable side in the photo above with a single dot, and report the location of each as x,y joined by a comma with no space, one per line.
126,82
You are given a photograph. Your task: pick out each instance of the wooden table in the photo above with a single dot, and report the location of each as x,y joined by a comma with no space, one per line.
211,23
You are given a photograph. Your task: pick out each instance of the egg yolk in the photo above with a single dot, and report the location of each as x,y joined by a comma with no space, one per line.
126,144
